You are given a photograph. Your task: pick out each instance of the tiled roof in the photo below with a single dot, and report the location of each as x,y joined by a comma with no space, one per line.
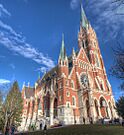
48,75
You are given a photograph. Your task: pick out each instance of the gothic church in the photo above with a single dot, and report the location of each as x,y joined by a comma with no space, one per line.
75,91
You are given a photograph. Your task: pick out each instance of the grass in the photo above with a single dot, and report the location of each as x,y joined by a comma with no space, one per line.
82,130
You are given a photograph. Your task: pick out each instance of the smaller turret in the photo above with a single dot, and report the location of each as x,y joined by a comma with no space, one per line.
84,21
23,86
73,53
28,84
63,60
84,26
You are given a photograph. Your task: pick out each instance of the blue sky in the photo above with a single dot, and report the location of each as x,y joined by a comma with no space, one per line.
31,31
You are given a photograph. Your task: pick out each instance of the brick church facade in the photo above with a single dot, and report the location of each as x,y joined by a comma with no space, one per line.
75,91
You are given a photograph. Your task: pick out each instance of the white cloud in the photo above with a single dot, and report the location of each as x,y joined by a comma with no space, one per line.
107,21
12,66
4,11
15,42
25,50
74,4
4,81
42,69
9,29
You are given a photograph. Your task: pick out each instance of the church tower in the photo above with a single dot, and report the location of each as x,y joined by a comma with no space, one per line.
87,40
63,59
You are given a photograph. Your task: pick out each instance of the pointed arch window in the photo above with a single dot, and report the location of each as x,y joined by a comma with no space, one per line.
39,105
83,44
73,101
68,94
101,84
60,85
68,104
72,83
97,61
67,82
28,108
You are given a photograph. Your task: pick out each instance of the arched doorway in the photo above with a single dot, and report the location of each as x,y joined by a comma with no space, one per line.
47,105
39,104
103,108
28,109
110,107
33,103
55,107
87,109
96,108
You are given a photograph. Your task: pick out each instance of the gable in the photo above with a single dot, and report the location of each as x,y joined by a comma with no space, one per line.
82,56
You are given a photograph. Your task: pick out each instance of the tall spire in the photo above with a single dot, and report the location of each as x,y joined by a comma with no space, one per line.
84,21
62,55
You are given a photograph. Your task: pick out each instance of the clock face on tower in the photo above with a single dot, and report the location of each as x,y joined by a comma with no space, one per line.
84,80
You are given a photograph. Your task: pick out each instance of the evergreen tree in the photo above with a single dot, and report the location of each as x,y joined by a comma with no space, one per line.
0,98
12,107
1,110
120,106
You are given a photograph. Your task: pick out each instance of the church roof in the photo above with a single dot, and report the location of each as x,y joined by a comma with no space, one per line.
29,92
48,75
53,72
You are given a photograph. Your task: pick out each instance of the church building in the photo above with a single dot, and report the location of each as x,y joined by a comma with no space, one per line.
76,91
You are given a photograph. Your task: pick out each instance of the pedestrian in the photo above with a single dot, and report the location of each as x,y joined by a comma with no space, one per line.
83,120
7,131
75,122
12,129
41,126
102,120
45,127
91,120
122,122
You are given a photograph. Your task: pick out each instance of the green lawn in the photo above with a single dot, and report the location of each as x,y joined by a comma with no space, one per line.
83,130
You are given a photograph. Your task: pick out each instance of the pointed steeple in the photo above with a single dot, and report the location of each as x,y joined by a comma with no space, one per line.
73,52
23,85
62,55
84,21
28,84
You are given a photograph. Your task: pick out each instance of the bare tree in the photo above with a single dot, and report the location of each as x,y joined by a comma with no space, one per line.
120,106
118,3
117,69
